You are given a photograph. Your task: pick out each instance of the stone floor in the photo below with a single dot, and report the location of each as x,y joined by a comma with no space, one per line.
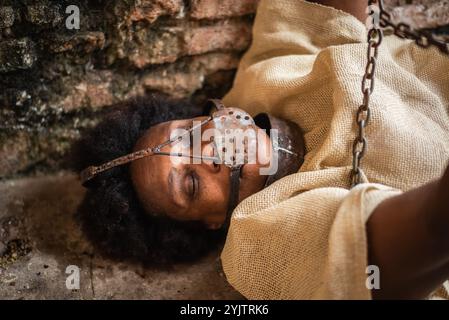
39,239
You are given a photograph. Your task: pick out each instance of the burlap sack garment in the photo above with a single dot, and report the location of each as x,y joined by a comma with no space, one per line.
304,236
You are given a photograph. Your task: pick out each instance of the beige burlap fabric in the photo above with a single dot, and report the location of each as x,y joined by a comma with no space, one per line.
304,236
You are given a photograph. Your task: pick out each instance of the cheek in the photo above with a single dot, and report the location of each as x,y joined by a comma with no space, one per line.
251,173
214,192
215,189
252,180
213,207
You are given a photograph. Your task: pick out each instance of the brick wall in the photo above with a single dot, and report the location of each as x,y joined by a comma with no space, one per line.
56,82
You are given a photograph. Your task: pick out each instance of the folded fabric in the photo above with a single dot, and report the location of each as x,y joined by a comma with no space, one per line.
304,236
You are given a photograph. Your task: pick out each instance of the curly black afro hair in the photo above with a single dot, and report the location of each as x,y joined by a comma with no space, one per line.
110,214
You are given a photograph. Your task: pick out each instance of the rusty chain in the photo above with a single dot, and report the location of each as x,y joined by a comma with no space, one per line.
423,39
375,37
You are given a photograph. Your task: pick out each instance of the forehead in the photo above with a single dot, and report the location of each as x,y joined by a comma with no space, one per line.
161,132
150,174
155,135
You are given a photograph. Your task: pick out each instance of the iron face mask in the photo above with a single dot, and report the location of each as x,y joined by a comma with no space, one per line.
233,135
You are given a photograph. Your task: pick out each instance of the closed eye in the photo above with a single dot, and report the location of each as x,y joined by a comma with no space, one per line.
192,185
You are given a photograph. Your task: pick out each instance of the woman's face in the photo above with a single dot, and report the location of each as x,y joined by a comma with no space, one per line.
186,191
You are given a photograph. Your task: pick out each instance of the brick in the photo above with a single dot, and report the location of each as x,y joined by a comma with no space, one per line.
94,91
6,17
179,81
218,9
98,94
227,36
213,62
153,47
85,42
43,14
150,10
169,44
17,54
177,84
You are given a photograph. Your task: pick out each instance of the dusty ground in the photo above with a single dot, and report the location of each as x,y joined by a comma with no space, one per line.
39,238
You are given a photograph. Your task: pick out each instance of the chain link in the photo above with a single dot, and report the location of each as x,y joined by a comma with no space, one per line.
423,39
375,37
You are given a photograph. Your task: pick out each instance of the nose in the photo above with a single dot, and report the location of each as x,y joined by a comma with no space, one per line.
212,167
